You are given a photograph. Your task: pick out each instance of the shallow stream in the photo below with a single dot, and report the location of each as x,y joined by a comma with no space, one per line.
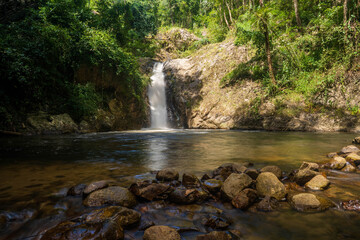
35,173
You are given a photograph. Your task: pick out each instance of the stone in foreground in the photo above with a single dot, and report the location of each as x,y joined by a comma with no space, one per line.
337,163
269,185
161,233
244,199
351,205
274,169
318,182
234,184
167,174
95,186
307,202
111,196
304,175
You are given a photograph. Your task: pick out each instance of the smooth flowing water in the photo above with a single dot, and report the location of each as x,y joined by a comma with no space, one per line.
35,173
157,98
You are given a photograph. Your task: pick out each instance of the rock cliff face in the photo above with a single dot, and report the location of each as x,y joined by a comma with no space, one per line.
196,100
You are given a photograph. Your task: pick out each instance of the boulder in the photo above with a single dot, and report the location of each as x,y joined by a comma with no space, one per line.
71,230
307,202
309,166
273,169
267,204
44,123
337,163
111,196
253,173
234,184
356,140
151,191
121,215
349,149
318,182
244,199
351,205
226,169
215,235
190,180
267,184
95,186
213,185
161,233
167,174
303,176
76,190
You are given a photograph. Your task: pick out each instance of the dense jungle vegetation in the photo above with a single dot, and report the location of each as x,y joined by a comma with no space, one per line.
299,46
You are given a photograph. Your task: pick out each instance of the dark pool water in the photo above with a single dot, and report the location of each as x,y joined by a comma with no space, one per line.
35,173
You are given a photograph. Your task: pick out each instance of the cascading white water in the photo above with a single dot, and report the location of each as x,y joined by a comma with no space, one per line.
157,97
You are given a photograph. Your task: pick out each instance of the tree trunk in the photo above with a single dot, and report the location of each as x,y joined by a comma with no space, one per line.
345,11
231,19
267,47
297,15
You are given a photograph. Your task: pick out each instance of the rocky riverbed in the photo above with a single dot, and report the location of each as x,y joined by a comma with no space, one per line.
169,206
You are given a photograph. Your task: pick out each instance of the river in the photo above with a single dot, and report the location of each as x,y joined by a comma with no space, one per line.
35,173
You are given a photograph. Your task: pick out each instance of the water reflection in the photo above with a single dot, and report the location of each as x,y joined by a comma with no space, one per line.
157,152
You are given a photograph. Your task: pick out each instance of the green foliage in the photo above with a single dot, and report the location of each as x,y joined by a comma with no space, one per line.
83,100
240,72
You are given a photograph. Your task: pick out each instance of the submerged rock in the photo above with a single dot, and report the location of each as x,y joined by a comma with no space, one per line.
267,184
318,182
215,235
121,215
351,205
273,169
161,233
95,186
307,202
304,175
151,191
267,204
337,163
244,199
187,196
234,184
215,222
167,174
213,185
112,196
76,190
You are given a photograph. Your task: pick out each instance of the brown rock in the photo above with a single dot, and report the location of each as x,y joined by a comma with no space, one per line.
348,168
332,154
303,176
337,163
244,199
351,205
349,149
151,191
161,233
95,186
215,222
234,184
318,182
121,215
267,204
307,202
273,169
309,166
253,173
353,158
190,180
213,185
112,196
356,140
167,174
76,190
267,184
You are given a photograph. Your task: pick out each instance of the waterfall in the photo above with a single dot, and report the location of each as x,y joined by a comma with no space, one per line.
157,98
